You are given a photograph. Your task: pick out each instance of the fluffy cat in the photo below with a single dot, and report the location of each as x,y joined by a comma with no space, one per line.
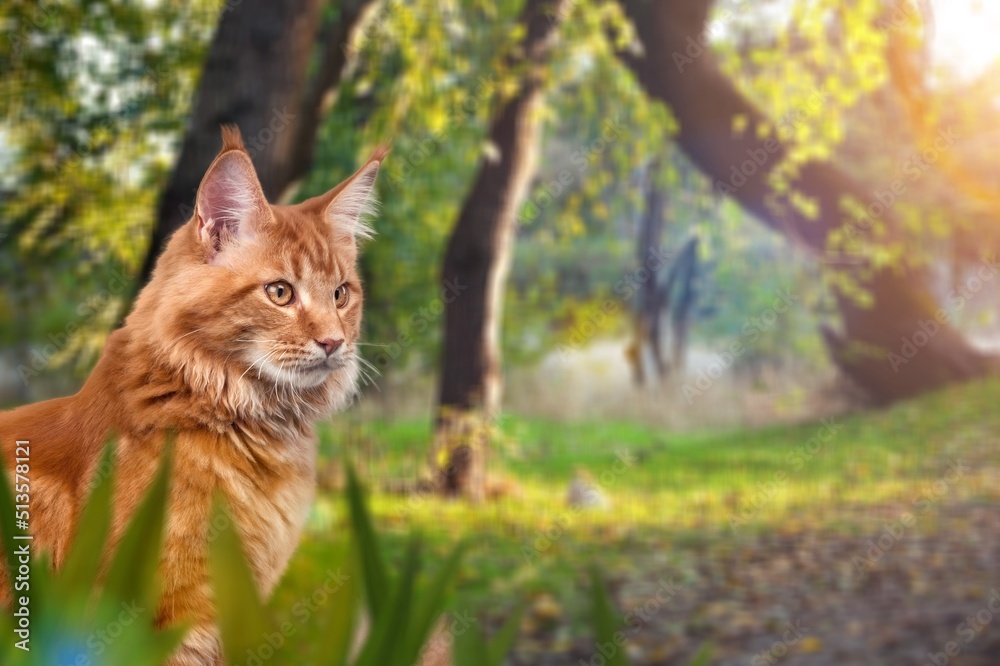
242,339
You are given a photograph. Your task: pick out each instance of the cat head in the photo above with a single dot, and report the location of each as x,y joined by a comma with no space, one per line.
260,296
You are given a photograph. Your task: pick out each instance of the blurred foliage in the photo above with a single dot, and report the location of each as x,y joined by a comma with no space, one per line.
94,97
78,615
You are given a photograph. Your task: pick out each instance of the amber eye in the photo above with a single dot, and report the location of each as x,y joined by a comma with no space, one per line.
341,296
279,292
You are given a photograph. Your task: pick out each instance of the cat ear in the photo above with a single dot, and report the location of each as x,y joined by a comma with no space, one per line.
353,201
230,200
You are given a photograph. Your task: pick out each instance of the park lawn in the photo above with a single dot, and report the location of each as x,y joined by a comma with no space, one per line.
678,494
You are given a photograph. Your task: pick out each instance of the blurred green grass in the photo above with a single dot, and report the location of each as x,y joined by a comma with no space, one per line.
680,490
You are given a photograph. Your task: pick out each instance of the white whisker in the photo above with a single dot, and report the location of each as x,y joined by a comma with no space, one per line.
260,367
368,365
259,360
191,333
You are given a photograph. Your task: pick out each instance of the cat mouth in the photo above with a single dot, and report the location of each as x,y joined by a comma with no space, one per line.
327,365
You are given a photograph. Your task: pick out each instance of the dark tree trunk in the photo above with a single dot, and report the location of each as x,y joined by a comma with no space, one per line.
475,269
705,102
256,76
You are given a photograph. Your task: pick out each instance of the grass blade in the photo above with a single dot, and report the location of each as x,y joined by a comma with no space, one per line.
376,586
434,596
333,631
383,647
133,571
470,648
703,656
607,627
80,569
242,618
503,642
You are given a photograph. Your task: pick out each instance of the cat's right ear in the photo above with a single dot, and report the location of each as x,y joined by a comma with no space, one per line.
230,203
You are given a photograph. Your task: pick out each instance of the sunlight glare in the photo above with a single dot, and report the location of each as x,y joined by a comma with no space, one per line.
966,35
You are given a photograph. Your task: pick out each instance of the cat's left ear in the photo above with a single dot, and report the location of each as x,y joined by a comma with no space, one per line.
353,202
230,203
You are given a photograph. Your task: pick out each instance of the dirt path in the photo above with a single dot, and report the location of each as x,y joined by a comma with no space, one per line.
899,595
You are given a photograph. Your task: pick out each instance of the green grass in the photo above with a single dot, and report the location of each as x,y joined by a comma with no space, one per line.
679,490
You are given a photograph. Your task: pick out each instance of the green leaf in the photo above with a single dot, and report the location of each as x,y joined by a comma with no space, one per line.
503,642
334,628
133,572
243,619
471,648
432,604
373,569
79,571
606,623
704,655
383,647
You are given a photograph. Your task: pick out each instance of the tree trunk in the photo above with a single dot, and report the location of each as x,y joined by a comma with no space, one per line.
475,268
256,76
706,102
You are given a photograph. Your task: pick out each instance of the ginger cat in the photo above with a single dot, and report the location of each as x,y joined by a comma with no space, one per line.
242,339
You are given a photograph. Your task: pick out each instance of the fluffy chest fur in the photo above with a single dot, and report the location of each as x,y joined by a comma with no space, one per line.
268,490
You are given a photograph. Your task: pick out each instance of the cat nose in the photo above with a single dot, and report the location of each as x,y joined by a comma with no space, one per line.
330,345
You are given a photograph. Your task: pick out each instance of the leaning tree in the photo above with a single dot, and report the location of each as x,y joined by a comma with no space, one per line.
811,203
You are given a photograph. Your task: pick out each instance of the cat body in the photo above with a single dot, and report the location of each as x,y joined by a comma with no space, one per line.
244,337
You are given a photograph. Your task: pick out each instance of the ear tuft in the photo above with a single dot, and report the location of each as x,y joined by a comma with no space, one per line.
231,138
354,201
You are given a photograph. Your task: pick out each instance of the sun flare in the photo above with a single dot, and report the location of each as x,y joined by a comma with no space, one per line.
966,35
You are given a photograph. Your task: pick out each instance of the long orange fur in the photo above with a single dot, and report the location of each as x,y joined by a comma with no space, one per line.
206,354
